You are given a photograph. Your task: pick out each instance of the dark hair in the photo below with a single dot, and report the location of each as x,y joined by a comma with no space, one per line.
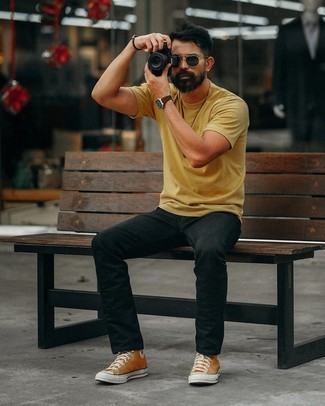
188,32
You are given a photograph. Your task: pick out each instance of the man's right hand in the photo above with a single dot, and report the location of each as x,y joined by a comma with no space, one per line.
110,90
152,42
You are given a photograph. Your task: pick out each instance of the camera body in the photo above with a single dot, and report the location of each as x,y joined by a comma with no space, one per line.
159,60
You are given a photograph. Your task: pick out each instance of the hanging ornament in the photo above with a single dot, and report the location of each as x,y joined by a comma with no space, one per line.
98,9
50,9
57,54
13,96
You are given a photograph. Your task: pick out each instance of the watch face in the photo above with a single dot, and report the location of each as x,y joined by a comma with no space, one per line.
159,103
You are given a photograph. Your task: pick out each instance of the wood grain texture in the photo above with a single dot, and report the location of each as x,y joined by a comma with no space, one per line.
285,192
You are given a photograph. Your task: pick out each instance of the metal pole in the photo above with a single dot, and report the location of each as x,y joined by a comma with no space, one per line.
113,52
240,49
1,193
148,16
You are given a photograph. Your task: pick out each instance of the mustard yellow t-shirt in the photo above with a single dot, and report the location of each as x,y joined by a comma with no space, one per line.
219,185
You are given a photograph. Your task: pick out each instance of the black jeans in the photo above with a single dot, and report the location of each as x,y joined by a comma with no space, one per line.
211,236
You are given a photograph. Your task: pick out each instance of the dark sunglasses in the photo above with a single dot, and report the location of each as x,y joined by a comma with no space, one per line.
191,60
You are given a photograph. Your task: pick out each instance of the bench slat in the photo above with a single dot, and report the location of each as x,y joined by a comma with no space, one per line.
113,181
115,161
148,161
288,206
283,229
89,222
285,162
301,207
152,182
109,202
273,229
242,247
285,184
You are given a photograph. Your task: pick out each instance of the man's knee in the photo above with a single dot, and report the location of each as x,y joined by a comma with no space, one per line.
211,248
97,243
104,240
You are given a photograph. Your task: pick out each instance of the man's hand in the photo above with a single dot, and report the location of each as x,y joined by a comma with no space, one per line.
159,85
152,42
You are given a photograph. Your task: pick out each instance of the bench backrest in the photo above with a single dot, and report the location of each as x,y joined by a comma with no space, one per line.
285,192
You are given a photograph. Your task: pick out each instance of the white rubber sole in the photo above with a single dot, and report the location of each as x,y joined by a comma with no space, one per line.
106,377
203,379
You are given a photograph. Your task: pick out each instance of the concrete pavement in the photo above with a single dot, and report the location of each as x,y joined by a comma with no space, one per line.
64,376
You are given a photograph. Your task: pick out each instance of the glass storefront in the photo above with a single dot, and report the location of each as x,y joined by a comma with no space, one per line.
285,116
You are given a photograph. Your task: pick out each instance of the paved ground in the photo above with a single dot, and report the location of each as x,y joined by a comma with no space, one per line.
64,375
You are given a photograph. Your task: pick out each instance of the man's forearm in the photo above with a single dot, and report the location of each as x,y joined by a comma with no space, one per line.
114,76
198,149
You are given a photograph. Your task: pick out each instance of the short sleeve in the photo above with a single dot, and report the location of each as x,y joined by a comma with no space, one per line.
230,118
144,100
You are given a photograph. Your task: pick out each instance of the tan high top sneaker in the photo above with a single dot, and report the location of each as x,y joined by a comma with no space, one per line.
205,370
127,365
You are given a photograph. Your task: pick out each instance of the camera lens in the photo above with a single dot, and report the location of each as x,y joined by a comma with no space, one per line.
157,60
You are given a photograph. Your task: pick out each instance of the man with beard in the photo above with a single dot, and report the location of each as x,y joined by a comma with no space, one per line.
203,129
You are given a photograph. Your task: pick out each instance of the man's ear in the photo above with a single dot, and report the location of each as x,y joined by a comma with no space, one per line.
209,63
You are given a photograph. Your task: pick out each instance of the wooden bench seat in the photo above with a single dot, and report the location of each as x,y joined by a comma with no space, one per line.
284,204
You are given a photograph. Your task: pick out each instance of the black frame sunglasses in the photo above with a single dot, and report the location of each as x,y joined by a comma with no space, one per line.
191,60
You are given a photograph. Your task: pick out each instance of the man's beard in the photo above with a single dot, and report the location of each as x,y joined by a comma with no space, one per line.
192,82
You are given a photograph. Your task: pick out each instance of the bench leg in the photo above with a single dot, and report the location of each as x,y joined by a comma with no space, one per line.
45,281
49,335
285,314
289,354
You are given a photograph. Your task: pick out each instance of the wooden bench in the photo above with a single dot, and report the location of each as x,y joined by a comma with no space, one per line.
285,200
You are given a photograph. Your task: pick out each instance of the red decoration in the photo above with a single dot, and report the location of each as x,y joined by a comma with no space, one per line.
56,55
98,9
50,10
14,97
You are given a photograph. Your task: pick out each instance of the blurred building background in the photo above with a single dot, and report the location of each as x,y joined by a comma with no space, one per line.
61,114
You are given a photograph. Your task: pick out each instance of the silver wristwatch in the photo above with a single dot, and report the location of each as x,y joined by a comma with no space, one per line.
162,101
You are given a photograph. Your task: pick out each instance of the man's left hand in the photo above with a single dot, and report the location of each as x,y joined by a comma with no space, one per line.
159,85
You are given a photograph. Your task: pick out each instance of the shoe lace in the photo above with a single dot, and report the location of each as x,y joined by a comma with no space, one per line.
201,363
122,359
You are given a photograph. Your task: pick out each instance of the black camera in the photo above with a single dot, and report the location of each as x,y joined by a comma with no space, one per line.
159,60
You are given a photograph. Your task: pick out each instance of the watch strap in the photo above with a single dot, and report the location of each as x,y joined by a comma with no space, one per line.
166,98
163,100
